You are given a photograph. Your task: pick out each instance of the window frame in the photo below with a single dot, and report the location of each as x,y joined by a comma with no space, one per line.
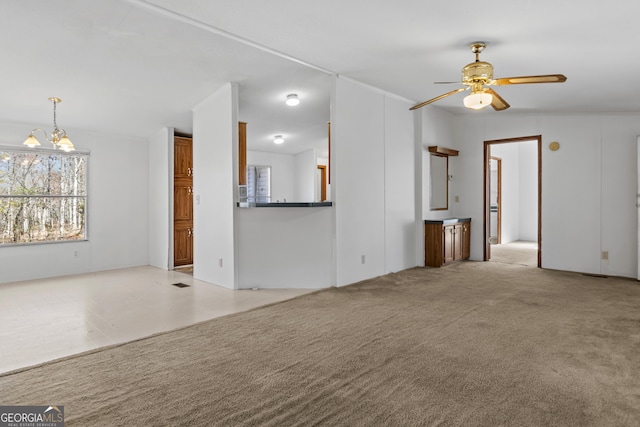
86,197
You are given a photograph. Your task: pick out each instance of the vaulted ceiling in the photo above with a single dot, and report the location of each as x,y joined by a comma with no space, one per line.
134,66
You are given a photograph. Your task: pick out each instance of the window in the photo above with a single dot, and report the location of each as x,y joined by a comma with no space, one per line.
259,184
43,196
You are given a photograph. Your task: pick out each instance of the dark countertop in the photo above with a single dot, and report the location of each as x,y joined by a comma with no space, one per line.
446,221
290,205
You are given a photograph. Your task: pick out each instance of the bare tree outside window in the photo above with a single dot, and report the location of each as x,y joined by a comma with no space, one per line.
43,196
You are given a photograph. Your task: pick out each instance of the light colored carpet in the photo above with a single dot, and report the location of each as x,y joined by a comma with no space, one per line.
469,344
519,252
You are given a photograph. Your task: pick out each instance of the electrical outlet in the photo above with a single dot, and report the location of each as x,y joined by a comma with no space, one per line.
75,254
220,262
605,255
457,198
362,259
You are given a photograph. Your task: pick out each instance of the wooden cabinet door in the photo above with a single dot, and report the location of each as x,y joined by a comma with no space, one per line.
466,240
183,202
457,242
448,241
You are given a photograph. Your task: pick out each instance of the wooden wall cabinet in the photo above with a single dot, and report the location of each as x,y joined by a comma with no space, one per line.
446,241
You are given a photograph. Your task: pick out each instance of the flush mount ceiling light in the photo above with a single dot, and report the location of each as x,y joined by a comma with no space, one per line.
278,139
292,100
58,137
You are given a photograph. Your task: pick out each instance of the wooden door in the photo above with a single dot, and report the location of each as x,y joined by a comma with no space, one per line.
448,242
182,202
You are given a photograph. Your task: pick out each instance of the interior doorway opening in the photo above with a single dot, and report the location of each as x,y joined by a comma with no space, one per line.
513,193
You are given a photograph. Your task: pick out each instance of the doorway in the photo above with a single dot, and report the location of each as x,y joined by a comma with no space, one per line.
322,182
182,202
517,160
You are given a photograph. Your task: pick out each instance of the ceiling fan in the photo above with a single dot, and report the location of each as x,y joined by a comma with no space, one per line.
479,74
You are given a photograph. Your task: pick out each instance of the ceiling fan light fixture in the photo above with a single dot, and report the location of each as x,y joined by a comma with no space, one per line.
292,100
478,100
278,139
479,74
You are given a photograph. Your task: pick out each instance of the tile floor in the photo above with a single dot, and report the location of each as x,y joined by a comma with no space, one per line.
42,320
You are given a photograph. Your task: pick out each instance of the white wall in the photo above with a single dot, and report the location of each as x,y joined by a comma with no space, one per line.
510,155
357,168
619,224
304,176
359,181
285,247
282,172
528,203
400,187
215,178
117,210
588,186
160,205
436,130
292,176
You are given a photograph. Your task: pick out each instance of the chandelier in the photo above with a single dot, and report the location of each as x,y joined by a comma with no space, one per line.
58,136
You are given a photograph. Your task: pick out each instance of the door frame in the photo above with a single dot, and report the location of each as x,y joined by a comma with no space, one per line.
323,182
486,196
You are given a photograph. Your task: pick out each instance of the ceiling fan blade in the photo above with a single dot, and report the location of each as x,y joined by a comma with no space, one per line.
548,78
438,98
498,103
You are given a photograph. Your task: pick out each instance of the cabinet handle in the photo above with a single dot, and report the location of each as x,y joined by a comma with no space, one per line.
189,171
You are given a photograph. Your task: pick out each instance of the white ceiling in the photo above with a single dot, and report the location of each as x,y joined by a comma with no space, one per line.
134,66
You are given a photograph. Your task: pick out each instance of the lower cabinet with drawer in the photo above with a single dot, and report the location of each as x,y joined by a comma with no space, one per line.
446,240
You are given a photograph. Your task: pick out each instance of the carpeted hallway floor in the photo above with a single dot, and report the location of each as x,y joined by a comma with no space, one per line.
519,252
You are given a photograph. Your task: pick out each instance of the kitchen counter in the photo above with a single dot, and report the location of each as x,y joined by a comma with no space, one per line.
447,221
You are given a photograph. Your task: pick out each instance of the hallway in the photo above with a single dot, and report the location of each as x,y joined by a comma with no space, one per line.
518,252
